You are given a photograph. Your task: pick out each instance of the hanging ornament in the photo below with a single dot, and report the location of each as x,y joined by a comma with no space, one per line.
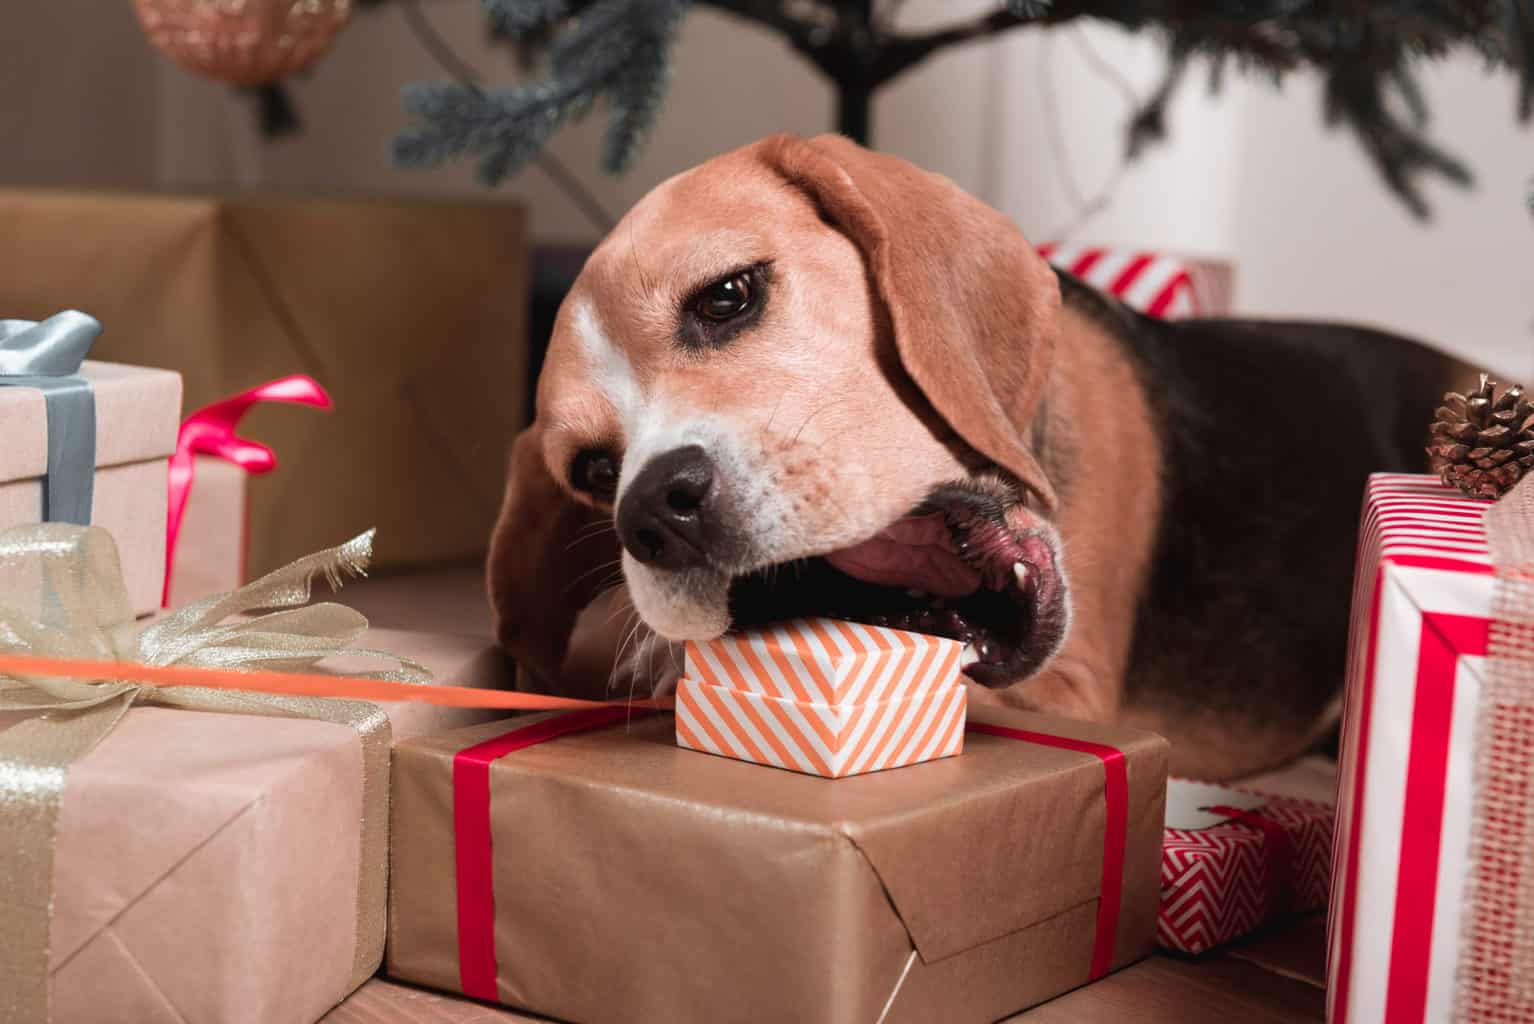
245,42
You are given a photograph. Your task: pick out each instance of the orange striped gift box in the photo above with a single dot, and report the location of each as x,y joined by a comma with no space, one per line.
823,696
826,661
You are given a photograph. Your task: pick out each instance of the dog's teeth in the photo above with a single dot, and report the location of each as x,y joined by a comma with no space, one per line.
1020,572
968,656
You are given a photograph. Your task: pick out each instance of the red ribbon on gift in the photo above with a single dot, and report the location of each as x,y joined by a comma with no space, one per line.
473,843
211,431
1115,830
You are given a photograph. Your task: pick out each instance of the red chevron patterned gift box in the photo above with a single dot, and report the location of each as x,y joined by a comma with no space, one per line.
1233,859
823,696
1156,284
1434,885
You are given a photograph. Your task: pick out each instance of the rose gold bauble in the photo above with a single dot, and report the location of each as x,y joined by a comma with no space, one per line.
247,42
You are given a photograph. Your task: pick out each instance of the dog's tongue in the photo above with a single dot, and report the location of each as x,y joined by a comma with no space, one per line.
914,553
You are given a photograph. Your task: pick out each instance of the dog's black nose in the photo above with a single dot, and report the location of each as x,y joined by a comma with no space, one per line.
663,519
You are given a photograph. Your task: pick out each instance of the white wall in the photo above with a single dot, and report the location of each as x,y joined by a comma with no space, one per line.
1253,174
1250,174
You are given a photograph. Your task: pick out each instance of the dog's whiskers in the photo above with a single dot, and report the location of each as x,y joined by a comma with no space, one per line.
820,409
607,566
775,410
587,533
630,631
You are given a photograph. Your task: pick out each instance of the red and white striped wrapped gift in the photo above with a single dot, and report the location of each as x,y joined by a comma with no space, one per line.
1422,614
1255,857
1156,284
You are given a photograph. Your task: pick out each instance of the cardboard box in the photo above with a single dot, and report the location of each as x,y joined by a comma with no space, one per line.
411,313
138,412
207,865
583,867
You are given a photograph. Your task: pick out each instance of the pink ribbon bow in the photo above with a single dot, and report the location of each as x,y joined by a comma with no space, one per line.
211,431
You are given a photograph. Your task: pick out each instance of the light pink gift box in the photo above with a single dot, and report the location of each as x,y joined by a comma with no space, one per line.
206,864
138,411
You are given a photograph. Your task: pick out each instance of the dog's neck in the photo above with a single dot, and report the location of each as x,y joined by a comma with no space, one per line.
1096,409
1098,436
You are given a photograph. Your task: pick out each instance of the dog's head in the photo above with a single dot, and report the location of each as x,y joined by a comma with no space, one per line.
802,378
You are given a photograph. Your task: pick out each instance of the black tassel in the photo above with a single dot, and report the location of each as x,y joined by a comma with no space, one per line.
278,118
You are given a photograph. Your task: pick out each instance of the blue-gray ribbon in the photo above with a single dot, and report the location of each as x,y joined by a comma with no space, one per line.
46,355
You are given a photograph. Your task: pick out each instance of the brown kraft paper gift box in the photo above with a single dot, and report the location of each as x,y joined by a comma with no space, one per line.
412,313
206,865
608,875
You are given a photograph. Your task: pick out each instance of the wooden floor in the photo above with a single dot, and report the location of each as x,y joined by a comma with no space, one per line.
1276,976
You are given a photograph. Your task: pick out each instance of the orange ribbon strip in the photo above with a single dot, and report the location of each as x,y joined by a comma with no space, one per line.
305,685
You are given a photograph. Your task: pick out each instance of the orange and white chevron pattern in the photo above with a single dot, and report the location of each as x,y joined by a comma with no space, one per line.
832,740
1215,883
826,661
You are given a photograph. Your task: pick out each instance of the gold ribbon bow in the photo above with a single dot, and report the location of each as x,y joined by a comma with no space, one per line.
62,596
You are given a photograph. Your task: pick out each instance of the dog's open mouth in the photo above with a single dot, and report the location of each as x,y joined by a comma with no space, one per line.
968,564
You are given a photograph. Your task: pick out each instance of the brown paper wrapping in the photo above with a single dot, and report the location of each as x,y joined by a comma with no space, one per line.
206,864
636,881
138,412
411,313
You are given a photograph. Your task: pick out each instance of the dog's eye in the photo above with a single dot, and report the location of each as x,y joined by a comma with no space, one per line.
595,471
725,299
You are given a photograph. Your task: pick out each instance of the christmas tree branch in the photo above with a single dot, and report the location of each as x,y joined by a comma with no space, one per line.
903,52
618,51
799,33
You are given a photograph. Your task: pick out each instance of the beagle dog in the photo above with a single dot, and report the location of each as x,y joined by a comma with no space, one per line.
806,378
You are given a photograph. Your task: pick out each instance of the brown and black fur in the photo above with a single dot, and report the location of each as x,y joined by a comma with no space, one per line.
1269,431
1179,500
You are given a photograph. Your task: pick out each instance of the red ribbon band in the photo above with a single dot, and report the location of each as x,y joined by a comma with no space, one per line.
473,843
1115,831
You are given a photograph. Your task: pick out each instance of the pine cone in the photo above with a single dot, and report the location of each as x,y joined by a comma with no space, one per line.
1482,443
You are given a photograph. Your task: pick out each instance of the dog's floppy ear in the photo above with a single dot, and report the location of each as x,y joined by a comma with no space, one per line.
549,558
973,306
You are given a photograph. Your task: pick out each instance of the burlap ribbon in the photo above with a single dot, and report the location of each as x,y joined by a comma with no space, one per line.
1496,968
62,596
